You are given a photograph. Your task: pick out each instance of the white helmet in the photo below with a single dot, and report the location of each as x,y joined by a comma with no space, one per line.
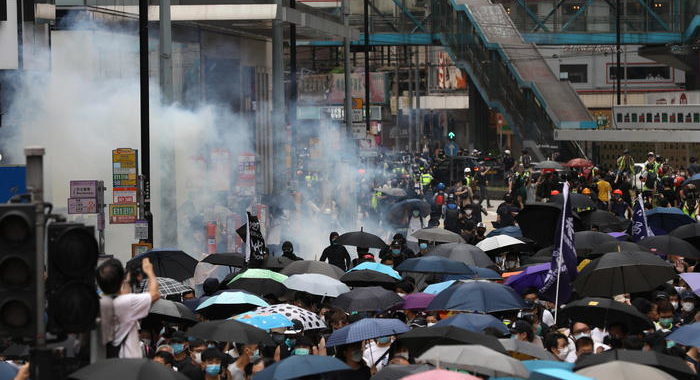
507,151
467,170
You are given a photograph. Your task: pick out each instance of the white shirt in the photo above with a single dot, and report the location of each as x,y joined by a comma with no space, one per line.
372,354
128,310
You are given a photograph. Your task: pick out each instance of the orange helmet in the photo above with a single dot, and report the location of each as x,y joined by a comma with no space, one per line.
554,192
586,191
617,191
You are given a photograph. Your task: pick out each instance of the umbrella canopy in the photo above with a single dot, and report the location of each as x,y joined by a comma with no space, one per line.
475,322
602,312
264,321
437,234
578,163
392,192
672,365
420,339
466,253
225,259
548,164
416,301
172,312
604,221
310,320
693,281
531,277
482,360
687,335
534,365
227,304
395,371
556,374
479,296
579,202
440,374
230,330
373,298
512,231
616,246
695,180
120,369
670,245
166,287
434,264
367,328
316,284
398,211
522,350
377,267
259,281
480,274
623,272
313,266
667,218
438,287
538,221
277,262
619,370
689,233
587,241
361,239
362,278
7,371
499,243
170,263
298,366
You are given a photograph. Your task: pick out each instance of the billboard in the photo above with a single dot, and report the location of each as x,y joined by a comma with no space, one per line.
330,88
657,117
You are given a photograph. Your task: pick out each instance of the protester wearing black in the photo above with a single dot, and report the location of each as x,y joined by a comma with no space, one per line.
336,254
694,167
506,212
183,361
288,251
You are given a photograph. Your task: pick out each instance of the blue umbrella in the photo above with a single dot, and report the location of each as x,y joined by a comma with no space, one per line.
297,366
475,322
377,267
667,219
265,321
687,335
229,303
695,179
434,264
7,371
532,277
511,231
534,365
481,274
477,296
437,288
556,374
368,328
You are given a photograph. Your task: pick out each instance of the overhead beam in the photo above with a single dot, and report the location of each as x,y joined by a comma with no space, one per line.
627,135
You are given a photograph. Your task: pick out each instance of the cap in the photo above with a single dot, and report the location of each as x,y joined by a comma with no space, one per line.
467,170
687,294
520,326
650,154
554,192
660,295
586,191
617,191
480,225
506,151
296,328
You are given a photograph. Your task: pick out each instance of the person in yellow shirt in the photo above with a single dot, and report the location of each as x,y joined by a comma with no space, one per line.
604,190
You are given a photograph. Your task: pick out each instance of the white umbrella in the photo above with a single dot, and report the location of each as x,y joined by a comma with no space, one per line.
474,358
498,242
437,234
314,283
619,370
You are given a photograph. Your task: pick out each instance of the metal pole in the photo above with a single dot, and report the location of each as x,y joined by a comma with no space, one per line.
367,74
35,185
145,126
168,208
419,120
278,119
347,69
618,76
101,217
411,130
292,111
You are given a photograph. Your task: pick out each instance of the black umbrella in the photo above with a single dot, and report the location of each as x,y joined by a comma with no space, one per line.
466,253
669,245
672,365
579,202
399,210
230,330
171,311
361,239
421,339
623,272
602,312
121,369
587,241
366,277
604,221
372,298
616,246
395,371
225,259
538,221
689,233
277,263
313,266
548,164
170,263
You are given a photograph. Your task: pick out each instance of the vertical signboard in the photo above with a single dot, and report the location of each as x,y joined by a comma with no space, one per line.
124,209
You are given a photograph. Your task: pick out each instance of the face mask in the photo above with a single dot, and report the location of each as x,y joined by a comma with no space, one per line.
476,202
581,335
198,357
213,369
563,353
666,323
396,251
402,355
290,342
416,213
384,340
255,356
688,306
675,305
401,294
538,330
430,324
233,353
423,245
357,356
178,348
301,351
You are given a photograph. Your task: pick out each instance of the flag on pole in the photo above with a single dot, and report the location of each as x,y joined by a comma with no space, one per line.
255,249
562,270
640,227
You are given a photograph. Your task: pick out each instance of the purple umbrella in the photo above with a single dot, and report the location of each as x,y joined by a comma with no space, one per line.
693,281
621,236
532,277
416,301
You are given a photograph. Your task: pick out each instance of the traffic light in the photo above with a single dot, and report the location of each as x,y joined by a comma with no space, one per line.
17,270
451,135
72,255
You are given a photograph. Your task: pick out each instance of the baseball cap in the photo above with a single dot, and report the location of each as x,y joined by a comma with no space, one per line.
520,326
480,225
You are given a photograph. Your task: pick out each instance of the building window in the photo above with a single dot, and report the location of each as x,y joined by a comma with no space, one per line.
641,73
575,73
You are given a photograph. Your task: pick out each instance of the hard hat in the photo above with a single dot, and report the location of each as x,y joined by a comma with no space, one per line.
506,151
480,225
441,186
586,191
467,170
617,191
554,192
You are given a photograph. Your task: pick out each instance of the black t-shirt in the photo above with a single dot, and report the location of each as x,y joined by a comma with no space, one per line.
361,373
505,211
472,212
337,255
190,369
619,208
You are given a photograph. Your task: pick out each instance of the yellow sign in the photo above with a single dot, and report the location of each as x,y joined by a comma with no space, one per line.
124,167
357,103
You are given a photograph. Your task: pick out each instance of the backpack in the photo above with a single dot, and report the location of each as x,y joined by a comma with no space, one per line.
440,199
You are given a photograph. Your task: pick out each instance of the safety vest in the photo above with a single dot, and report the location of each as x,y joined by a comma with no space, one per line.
374,202
425,179
691,213
468,181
